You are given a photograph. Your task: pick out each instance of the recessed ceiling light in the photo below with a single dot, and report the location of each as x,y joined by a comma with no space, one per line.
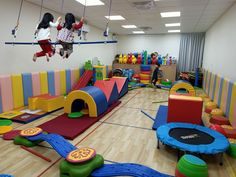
115,17
173,31
138,32
172,24
170,14
90,2
129,26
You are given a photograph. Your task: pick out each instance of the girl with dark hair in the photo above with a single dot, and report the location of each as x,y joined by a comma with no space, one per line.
65,35
42,34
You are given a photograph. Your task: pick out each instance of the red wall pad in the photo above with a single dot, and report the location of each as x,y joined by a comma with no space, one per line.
186,109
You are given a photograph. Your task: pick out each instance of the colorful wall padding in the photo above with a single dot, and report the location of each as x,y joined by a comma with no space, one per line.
16,89
223,92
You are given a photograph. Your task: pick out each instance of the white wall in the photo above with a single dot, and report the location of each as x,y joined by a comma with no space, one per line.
17,59
220,46
163,44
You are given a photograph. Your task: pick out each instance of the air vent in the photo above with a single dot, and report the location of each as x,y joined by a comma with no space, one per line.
145,28
144,5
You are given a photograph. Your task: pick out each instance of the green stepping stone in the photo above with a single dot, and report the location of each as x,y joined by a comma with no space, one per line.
5,122
68,169
74,115
19,140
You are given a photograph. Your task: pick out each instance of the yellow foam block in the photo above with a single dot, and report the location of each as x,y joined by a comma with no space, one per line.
10,114
17,91
5,129
50,104
183,85
217,112
32,101
182,97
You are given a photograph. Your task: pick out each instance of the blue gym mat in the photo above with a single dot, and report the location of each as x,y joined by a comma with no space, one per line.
161,117
126,169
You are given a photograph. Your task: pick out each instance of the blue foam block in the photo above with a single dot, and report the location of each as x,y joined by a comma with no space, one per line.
161,117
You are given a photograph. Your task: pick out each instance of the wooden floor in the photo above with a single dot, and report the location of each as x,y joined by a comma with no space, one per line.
123,135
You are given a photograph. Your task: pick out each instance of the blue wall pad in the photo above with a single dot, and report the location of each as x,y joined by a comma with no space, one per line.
51,85
68,81
27,87
161,117
126,169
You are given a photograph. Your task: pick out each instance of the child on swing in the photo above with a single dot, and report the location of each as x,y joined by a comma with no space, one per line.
65,34
43,36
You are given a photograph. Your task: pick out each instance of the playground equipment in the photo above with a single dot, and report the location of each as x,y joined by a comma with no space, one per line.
182,85
83,81
84,162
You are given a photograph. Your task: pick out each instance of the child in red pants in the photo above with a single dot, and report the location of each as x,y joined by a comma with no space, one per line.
43,36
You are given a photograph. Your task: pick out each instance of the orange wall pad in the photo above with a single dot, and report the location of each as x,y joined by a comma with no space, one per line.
186,109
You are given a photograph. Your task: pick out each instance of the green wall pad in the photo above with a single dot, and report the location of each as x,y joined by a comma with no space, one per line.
81,169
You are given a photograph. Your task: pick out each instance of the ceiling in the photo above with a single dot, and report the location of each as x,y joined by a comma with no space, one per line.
196,15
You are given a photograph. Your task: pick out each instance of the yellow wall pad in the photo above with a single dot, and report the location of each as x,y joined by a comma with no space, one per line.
182,97
17,91
50,104
183,85
217,89
79,94
10,114
224,95
43,82
62,82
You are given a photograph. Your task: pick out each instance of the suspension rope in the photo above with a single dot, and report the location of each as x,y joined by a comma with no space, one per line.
14,31
41,10
108,20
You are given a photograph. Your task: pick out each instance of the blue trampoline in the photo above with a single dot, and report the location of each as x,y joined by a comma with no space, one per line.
192,138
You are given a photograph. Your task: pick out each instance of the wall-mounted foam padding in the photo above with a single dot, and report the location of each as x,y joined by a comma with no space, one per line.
209,83
6,93
57,82
43,82
0,103
145,67
93,96
211,92
224,95
232,111
122,84
62,82
217,89
220,91
36,84
17,91
51,85
182,85
110,90
185,109
27,87
68,81
75,75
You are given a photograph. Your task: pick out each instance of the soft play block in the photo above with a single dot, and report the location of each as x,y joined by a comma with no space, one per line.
185,109
33,101
51,103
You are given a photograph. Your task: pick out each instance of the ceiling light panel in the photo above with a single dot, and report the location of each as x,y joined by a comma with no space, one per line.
172,24
115,17
129,26
170,14
173,31
138,32
90,2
